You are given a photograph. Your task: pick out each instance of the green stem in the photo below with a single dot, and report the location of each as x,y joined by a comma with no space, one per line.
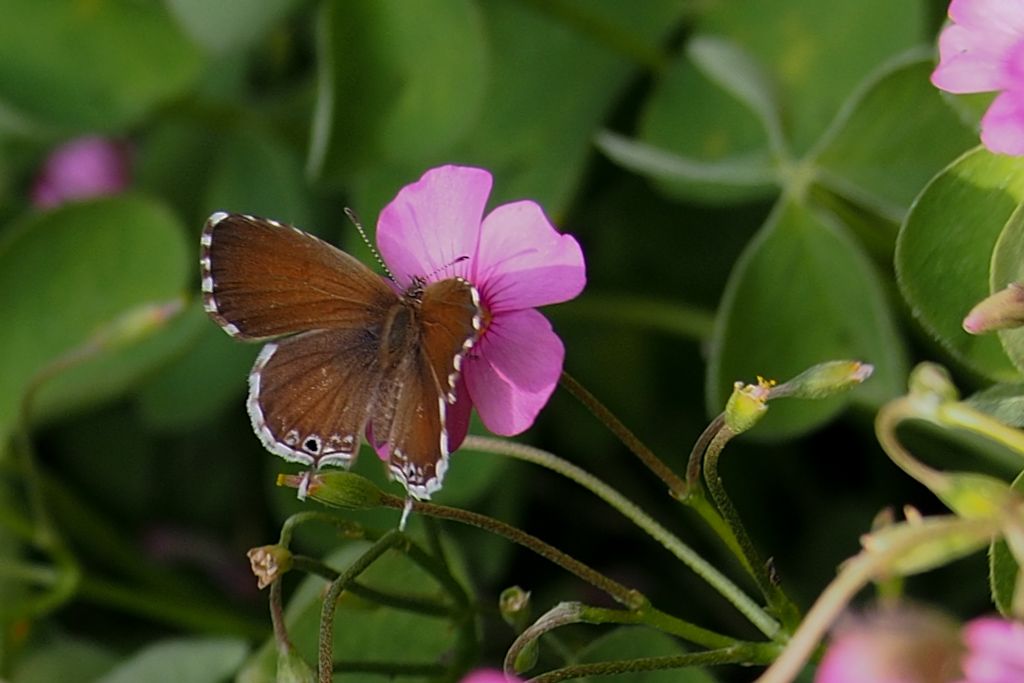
963,416
676,486
653,617
325,659
695,464
888,419
752,654
626,596
409,603
277,617
393,669
780,603
346,528
461,613
856,573
631,511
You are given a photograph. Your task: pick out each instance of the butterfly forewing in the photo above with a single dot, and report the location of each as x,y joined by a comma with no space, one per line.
310,395
262,279
450,317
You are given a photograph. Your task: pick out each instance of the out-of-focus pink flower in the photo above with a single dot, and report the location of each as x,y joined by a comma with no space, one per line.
489,676
983,51
84,167
904,645
516,260
995,651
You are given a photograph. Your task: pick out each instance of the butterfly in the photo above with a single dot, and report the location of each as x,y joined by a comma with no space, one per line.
346,350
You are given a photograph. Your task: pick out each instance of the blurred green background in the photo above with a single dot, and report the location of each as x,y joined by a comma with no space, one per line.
736,171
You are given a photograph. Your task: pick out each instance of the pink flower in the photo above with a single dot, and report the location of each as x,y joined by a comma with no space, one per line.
892,646
995,651
489,676
983,51
84,167
516,260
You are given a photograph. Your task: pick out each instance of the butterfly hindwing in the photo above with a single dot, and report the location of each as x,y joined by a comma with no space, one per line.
411,415
310,395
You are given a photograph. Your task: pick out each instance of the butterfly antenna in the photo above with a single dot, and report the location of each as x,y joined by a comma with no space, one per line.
446,266
366,240
405,513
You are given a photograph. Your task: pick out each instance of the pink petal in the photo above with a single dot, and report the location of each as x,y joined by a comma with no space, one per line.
996,651
1002,127
523,262
433,222
970,62
513,370
993,16
457,417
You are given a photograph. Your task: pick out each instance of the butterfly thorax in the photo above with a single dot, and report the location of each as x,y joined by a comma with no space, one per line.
414,292
400,332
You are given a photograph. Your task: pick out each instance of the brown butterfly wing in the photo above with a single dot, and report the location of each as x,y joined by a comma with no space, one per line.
262,279
411,411
310,395
450,320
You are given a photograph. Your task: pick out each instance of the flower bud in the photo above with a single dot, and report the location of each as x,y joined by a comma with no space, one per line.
514,604
824,379
893,645
345,490
137,322
931,379
1000,311
974,496
292,668
747,405
950,542
995,651
82,168
269,562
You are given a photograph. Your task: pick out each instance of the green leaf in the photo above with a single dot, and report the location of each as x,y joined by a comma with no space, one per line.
535,134
363,630
1003,568
67,273
891,137
802,293
631,642
195,660
741,76
222,27
817,51
756,173
89,66
944,252
1005,402
256,174
1007,267
701,141
199,386
64,659
112,371
397,81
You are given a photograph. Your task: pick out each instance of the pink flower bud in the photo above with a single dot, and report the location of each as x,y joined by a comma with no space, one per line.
84,167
